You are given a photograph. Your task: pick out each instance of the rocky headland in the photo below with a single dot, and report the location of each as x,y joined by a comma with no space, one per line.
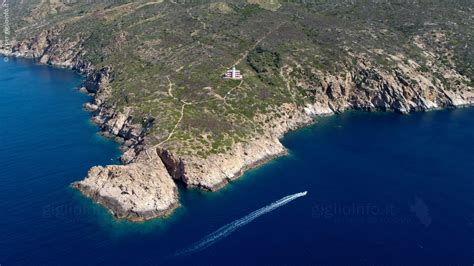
144,187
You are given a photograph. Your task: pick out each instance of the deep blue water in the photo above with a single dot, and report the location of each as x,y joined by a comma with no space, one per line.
383,189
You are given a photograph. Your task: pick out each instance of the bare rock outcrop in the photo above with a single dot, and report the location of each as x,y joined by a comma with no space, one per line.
136,192
217,170
143,188
404,89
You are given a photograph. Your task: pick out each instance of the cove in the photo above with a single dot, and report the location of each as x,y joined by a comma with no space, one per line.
382,188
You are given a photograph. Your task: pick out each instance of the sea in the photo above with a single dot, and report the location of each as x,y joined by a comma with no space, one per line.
381,189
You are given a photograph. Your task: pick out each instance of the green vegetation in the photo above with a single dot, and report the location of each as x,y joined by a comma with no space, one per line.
165,54
267,64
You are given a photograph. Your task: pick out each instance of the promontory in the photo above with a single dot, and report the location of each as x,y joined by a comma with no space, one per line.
197,92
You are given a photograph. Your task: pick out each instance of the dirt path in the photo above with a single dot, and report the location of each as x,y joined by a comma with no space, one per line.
203,24
184,104
149,3
170,88
287,82
232,107
231,90
175,126
246,53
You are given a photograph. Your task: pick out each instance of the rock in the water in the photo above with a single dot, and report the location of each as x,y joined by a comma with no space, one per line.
90,107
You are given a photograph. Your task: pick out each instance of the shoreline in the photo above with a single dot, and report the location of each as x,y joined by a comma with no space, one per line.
242,171
212,173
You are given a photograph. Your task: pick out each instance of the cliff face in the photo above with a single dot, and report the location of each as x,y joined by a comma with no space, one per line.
47,48
137,191
385,92
404,89
161,115
215,171
143,188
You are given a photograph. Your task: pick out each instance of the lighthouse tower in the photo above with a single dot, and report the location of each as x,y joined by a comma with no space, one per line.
233,74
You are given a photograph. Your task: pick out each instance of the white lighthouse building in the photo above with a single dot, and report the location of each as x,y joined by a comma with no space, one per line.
233,74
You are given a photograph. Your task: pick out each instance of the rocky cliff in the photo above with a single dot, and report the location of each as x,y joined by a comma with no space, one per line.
136,192
143,188
177,124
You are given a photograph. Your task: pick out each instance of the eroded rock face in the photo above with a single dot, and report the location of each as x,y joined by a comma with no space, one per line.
136,192
215,171
404,89
144,188
368,87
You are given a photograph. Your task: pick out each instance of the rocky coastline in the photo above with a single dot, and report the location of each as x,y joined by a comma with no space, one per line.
144,187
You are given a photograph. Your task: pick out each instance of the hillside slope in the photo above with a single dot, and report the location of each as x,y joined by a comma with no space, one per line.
156,69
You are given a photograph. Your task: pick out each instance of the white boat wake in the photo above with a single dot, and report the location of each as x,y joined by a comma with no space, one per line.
231,227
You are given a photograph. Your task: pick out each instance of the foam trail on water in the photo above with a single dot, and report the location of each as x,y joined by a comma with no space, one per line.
231,227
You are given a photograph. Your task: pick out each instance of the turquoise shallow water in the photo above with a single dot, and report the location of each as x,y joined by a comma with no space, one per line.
382,189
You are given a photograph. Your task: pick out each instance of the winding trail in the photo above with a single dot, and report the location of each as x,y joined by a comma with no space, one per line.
246,53
175,126
287,83
203,24
170,94
170,88
231,90
184,104
233,109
